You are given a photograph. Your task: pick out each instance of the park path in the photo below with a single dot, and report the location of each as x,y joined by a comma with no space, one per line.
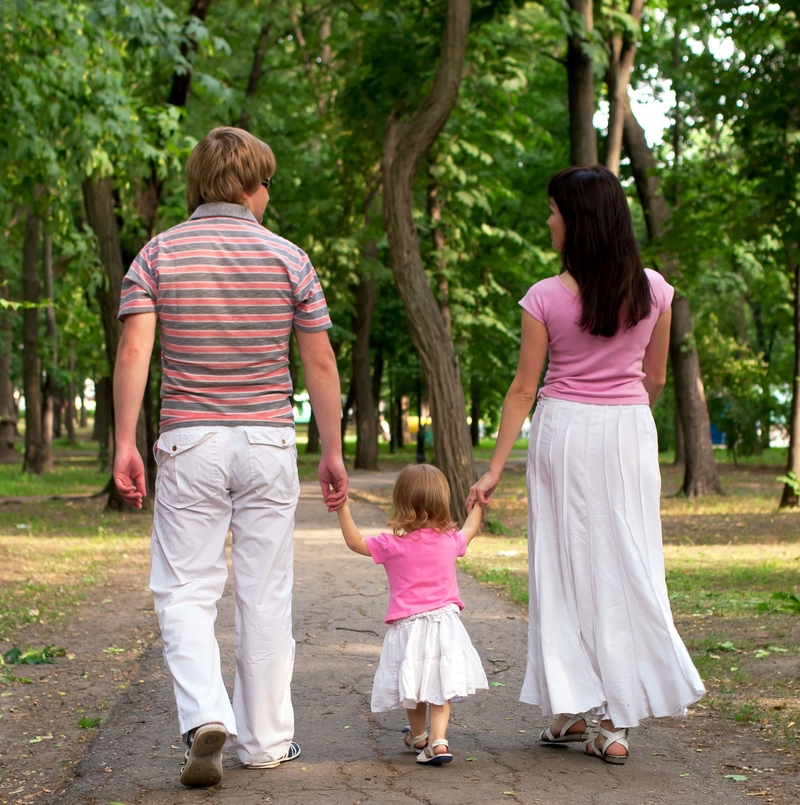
350,755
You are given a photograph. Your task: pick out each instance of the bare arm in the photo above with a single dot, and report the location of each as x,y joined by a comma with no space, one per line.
322,382
655,357
472,525
352,536
130,379
518,402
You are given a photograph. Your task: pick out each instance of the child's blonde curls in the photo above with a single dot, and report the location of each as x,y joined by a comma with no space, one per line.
421,499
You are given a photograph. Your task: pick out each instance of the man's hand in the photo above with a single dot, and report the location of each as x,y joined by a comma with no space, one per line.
333,481
129,475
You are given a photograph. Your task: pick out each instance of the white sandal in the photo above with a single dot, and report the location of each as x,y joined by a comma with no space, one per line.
618,737
429,756
549,737
411,741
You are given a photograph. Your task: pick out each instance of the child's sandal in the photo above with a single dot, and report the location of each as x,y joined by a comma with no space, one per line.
428,754
412,741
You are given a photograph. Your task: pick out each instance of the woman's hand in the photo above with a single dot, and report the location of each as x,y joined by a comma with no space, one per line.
482,491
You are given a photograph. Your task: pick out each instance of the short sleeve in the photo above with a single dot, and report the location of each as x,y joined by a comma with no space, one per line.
380,547
662,292
310,309
534,303
139,288
460,538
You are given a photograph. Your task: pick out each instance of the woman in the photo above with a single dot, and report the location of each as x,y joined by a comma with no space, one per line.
601,638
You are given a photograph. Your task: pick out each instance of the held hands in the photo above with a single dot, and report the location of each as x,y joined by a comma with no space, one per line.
332,477
129,474
482,491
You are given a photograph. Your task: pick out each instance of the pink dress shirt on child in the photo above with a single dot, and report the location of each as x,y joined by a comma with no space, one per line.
421,568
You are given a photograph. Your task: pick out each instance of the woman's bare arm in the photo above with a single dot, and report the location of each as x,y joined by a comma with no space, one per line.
655,358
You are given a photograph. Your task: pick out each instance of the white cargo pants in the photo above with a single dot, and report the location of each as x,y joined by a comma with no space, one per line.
210,480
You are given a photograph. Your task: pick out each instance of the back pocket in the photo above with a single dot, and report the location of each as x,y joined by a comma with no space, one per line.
188,467
273,464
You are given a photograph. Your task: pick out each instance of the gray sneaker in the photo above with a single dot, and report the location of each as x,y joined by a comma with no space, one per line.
291,753
202,766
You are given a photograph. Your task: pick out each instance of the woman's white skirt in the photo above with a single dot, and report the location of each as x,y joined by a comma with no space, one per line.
426,658
601,637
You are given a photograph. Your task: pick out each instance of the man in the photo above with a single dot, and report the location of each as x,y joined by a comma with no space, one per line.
226,293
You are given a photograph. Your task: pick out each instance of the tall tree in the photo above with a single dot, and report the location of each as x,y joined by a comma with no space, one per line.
700,474
406,143
580,80
32,370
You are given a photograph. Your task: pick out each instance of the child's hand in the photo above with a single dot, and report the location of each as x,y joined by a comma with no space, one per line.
352,536
473,522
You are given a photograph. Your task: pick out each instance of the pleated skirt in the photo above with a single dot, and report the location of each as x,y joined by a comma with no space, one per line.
601,637
426,658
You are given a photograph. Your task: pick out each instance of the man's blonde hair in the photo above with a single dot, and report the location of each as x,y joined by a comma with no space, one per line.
421,499
226,163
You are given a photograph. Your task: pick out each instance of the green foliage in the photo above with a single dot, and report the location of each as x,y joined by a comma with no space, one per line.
781,602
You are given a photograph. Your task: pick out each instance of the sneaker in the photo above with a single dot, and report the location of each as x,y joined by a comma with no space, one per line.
202,765
291,753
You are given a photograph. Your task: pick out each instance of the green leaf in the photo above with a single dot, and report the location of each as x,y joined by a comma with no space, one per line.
739,778
87,723
497,684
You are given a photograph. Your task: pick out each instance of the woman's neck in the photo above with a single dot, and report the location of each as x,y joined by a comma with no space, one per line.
570,282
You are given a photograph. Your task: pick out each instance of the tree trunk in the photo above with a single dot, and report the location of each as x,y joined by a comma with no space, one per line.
69,409
103,419
31,366
475,427
181,80
312,445
366,413
405,145
50,384
680,442
8,411
790,498
700,477
256,71
348,404
437,236
618,77
99,198
580,86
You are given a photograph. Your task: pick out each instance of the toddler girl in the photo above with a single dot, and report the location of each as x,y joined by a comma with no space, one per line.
427,657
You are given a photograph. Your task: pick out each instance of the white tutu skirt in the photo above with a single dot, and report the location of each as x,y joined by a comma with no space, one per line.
600,637
426,658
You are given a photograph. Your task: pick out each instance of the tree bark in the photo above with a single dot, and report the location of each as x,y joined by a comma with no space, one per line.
181,81
790,498
700,476
8,411
366,412
312,445
99,199
437,236
69,409
31,365
50,383
405,145
680,442
256,71
580,86
618,77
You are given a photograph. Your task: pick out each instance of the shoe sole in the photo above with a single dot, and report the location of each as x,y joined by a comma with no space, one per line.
204,765
437,760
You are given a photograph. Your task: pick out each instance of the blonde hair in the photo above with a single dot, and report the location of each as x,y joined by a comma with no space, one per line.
421,499
226,163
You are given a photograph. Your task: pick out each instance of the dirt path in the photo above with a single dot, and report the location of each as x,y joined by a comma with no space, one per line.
352,756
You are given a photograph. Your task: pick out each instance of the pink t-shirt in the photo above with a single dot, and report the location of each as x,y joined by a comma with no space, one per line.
421,568
591,368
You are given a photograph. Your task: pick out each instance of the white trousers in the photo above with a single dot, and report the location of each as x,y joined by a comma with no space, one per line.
211,480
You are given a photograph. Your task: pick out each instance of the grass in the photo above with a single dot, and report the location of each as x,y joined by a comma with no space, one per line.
52,552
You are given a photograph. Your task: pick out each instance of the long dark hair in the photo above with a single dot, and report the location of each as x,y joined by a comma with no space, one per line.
600,250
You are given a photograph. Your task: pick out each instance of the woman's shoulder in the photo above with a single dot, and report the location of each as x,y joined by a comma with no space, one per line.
662,291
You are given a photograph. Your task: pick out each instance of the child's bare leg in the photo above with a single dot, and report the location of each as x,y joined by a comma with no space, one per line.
416,719
440,718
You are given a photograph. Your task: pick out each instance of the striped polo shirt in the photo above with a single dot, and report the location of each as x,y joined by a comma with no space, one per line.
227,293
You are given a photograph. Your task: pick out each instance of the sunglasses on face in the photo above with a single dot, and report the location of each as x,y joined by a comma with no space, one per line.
267,182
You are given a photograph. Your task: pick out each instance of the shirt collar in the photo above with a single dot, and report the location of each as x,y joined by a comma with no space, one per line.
220,209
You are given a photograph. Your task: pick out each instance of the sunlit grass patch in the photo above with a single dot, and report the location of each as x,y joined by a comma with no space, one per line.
65,479
51,553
